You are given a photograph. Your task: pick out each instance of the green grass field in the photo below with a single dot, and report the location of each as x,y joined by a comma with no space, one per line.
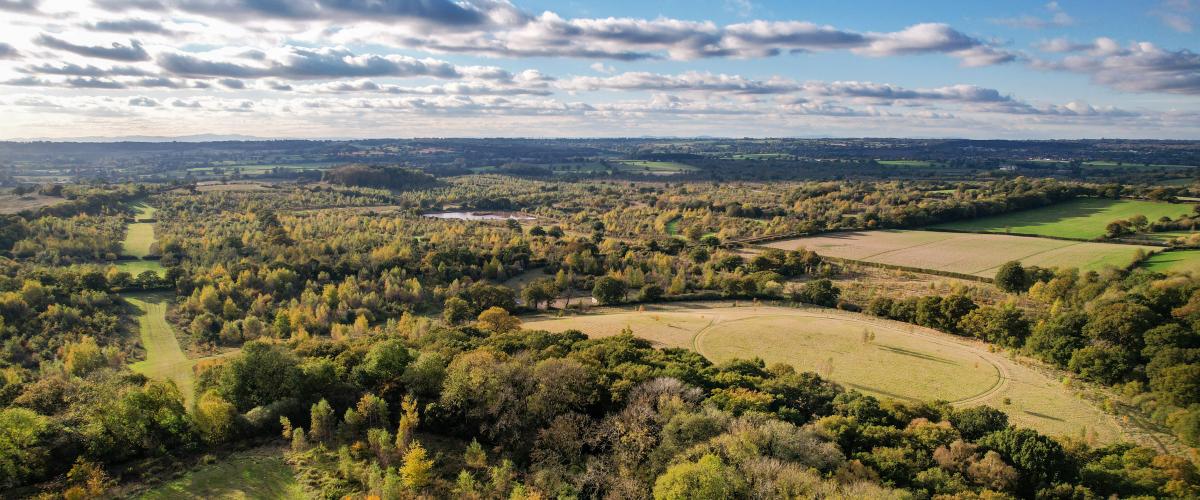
906,163
1181,261
1083,218
965,253
138,238
164,359
920,363
672,226
253,474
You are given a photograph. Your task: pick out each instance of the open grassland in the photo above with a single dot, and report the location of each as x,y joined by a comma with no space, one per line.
902,362
164,359
1082,218
253,474
138,238
1182,261
965,253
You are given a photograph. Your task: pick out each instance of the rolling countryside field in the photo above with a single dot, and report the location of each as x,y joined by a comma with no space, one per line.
1083,218
923,364
965,253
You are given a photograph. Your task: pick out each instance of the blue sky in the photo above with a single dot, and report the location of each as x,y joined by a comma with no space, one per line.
410,68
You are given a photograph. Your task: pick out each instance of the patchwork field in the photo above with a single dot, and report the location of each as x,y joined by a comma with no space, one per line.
1082,218
966,253
922,364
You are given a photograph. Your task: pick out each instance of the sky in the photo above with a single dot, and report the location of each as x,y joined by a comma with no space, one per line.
618,68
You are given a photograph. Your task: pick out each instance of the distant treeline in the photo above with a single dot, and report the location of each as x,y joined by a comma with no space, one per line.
375,176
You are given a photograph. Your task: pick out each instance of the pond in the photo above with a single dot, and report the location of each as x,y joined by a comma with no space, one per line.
480,215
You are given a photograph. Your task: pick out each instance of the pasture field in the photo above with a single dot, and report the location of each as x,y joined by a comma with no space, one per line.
1175,261
138,238
259,473
965,253
1082,218
164,359
921,364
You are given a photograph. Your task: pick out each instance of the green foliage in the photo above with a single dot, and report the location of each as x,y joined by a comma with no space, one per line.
1011,278
820,292
707,477
262,374
609,290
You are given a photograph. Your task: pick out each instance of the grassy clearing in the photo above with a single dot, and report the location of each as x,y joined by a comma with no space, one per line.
139,236
253,474
164,359
966,253
1081,218
1182,261
904,361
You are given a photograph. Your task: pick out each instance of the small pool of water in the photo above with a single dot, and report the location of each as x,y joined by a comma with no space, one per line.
480,215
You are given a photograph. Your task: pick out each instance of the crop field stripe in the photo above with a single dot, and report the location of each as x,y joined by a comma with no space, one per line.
918,245
1039,252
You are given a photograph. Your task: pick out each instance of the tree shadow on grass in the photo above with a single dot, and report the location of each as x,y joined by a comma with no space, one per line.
915,354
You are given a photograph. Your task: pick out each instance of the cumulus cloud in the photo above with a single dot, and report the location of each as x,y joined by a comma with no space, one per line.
690,81
303,63
889,92
7,51
117,51
142,101
83,70
928,38
1138,67
132,25
443,12
19,5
